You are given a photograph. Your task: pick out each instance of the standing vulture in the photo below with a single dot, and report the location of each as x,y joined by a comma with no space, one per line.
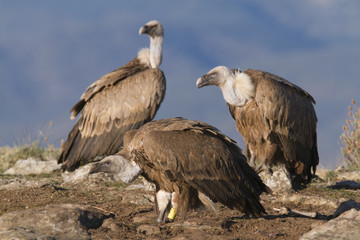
119,101
276,118
184,159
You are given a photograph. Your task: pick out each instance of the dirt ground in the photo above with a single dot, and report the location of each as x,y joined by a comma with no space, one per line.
133,221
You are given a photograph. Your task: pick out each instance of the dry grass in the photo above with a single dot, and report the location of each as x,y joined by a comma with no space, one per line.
350,139
9,155
44,151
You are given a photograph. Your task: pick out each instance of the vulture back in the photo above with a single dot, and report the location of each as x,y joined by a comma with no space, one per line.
184,154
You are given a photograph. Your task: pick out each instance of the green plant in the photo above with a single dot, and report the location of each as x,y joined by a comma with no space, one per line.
350,139
330,176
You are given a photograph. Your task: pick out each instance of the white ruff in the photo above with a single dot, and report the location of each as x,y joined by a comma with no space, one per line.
238,89
128,170
144,56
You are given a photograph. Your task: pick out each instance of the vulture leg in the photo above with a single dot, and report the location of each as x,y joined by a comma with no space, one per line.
173,210
163,204
272,152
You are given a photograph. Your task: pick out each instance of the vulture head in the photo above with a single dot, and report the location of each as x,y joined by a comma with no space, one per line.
216,76
156,33
237,87
153,29
126,170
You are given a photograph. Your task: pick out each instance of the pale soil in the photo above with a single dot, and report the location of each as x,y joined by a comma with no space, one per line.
138,221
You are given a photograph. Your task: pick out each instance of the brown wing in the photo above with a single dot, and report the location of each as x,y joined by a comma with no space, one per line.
108,80
288,112
197,154
113,107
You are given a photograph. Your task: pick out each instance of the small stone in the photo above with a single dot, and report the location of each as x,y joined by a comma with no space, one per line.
142,184
148,229
110,224
138,199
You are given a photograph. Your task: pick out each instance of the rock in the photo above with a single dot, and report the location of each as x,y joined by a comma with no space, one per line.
346,226
279,181
82,177
343,175
135,187
322,172
64,221
137,198
340,168
346,206
142,184
19,182
296,213
148,229
110,224
346,185
33,166
80,174
299,198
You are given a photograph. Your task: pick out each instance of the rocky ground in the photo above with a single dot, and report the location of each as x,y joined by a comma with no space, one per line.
48,204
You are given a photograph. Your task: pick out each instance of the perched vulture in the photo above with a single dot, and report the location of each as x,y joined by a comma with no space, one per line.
186,159
119,101
275,117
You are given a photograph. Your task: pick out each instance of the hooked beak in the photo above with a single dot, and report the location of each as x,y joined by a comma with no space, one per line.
143,29
203,81
94,168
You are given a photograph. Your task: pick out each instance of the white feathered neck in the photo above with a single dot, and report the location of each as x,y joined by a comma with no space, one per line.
153,56
238,89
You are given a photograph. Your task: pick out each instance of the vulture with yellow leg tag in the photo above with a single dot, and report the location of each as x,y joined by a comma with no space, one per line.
276,118
189,162
119,101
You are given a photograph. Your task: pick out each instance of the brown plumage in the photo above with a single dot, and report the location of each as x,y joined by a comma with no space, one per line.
184,158
121,100
276,118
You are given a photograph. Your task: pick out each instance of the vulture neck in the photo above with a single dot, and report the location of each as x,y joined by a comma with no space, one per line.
133,171
238,89
156,51
126,170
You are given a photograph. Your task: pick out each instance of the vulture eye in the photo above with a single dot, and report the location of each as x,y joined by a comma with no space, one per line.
214,74
150,28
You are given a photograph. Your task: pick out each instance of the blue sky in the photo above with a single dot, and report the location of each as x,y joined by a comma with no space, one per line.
50,51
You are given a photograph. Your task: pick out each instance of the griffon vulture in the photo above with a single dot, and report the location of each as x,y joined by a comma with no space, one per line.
184,159
119,101
275,117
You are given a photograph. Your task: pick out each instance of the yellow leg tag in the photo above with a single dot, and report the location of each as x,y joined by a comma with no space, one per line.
172,214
